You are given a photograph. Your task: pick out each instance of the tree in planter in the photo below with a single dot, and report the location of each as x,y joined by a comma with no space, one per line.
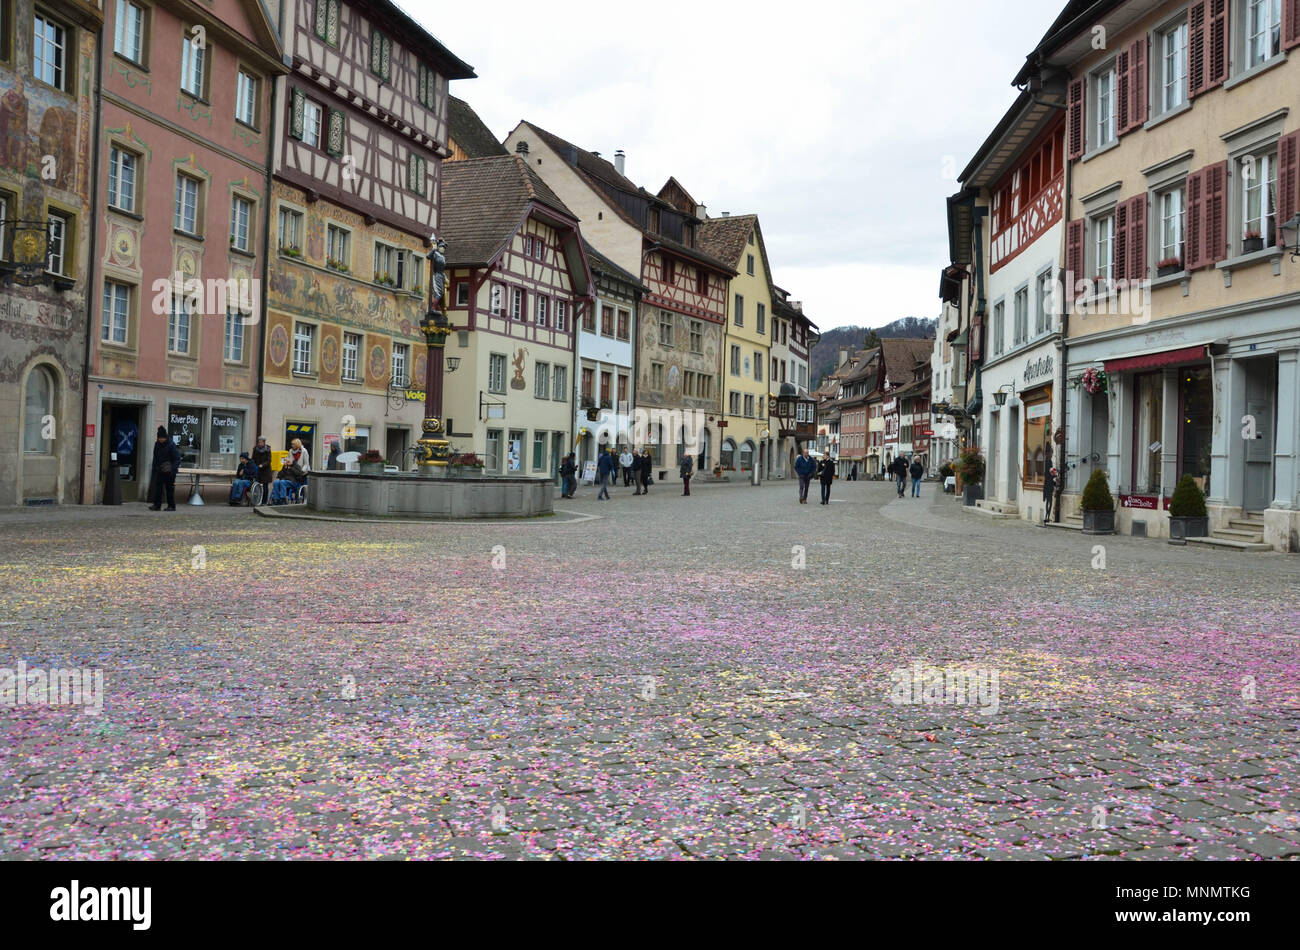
970,468
1188,517
1098,505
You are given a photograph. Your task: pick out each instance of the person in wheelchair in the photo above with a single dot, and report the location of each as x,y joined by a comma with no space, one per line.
245,478
292,480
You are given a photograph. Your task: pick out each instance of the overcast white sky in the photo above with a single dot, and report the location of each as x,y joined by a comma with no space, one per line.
834,121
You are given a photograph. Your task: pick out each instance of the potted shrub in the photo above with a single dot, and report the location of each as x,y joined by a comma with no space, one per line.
1187,515
1098,505
372,463
970,466
1252,241
466,465
1169,266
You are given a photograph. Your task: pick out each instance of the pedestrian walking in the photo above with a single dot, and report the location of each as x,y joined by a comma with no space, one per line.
853,472
687,469
625,463
568,484
1049,493
899,470
604,469
805,468
332,463
917,471
647,465
166,463
262,459
827,473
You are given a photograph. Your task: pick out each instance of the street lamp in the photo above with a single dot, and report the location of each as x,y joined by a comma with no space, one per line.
1291,236
1001,395
453,363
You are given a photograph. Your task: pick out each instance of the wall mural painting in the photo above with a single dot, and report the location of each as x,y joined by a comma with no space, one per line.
518,383
308,292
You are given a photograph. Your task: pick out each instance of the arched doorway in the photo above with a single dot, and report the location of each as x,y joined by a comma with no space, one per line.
747,456
41,462
728,457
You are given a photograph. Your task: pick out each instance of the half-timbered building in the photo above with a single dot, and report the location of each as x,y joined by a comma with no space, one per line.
606,358
361,130
683,311
519,285
47,61
180,245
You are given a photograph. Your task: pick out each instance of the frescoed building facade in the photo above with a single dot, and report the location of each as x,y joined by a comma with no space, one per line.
47,62
518,286
184,147
362,129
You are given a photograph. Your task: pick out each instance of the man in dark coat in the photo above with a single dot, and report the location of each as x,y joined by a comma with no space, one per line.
568,469
827,473
687,469
262,459
805,468
899,470
917,471
647,466
1049,493
605,466
166,463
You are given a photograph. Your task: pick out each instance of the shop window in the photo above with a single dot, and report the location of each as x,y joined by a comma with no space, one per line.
1148,432
1196,397
185,426
38,407
226,440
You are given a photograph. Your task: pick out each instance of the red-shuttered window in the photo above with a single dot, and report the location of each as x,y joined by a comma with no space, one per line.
1290,24
1207,45
1076,106
1195,220
1136,252
1288,177
1207,223
1074,236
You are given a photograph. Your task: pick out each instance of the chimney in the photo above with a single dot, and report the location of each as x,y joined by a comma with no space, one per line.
798,305
702,212
726,214
522,149
620,161
844,354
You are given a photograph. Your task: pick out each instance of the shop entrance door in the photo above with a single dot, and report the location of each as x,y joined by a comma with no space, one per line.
122,425
1098,452
1014,456
991,476
1261,407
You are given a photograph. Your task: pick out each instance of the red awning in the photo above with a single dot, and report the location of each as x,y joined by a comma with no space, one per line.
1191,354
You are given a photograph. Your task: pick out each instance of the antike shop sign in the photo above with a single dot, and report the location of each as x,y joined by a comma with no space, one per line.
1037,369
1144,502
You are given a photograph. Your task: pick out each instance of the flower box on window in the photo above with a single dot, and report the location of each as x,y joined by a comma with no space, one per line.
1169,266
1252,242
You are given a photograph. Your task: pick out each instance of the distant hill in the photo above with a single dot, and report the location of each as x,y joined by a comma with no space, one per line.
826,354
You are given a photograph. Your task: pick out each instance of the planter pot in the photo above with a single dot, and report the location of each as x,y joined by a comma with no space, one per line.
1169,271
1182,528
1098,522
972,493
372,468
1252,245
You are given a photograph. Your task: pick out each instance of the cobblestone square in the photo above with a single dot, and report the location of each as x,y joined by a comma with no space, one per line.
652,677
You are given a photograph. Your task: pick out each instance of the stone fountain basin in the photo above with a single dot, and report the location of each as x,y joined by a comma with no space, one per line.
420,497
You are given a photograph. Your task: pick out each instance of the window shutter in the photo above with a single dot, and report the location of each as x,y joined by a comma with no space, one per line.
1194,238
1216,42
299,110
1196,75
1288,178
334,138
1074,233
1290,23
1138,84
1137,232
1122,239
376,39
1123,91
1216,212
1074,119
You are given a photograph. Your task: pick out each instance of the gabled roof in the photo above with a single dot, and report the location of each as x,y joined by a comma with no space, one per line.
601,176
726,238
902,356
682,200
484,201
415,37
469,132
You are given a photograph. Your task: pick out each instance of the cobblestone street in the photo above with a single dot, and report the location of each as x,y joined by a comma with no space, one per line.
654,682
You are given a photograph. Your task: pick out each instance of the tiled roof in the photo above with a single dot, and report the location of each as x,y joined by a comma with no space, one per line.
468,131
901,356
483,203
589,162
726,238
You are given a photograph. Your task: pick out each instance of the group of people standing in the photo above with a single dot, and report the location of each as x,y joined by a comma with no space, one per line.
901,470
806,467
635,468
